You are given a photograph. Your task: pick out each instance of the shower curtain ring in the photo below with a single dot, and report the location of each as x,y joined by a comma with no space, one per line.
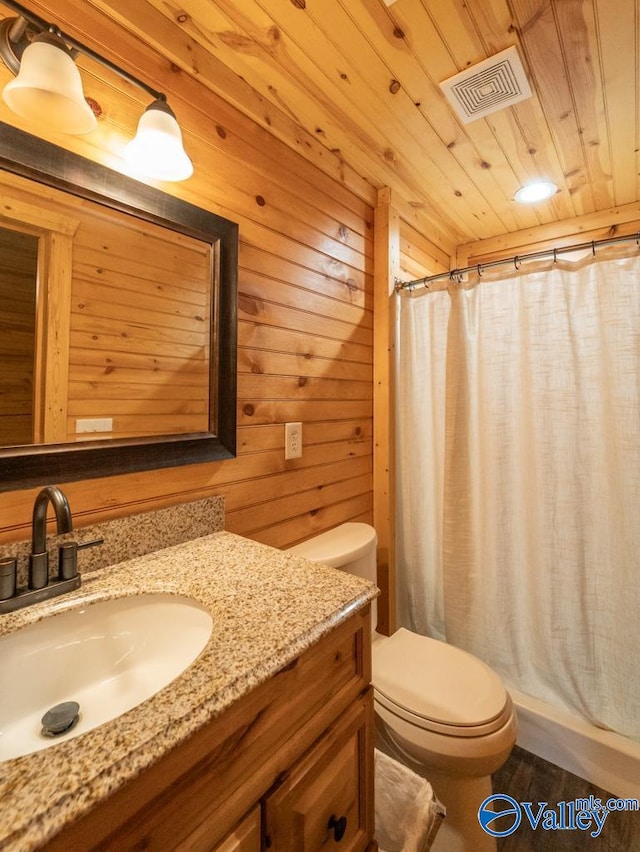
555,255
593,247
479,270
517,263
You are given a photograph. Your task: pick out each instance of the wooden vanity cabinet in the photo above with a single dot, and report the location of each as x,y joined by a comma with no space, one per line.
287,768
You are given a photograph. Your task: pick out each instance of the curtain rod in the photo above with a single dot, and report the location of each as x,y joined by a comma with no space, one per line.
456,274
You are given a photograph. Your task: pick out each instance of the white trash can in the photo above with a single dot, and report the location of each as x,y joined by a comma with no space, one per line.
408,814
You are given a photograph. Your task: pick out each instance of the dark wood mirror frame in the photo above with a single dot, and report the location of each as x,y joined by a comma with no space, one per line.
29,466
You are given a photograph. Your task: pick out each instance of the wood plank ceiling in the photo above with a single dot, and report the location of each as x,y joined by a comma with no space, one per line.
354,84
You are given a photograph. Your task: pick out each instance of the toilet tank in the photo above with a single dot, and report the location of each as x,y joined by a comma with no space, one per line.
350,547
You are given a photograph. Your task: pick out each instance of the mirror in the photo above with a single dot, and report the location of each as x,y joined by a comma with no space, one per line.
113,392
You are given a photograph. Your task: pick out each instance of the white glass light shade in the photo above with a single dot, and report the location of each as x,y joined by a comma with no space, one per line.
157,151
48,89
538,190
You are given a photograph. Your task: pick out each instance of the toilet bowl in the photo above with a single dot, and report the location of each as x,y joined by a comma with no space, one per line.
439,710
442,704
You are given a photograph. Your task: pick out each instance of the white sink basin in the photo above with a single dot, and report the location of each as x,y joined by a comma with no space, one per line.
108,657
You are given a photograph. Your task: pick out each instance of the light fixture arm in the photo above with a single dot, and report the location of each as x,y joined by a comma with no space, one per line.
13,38
14,30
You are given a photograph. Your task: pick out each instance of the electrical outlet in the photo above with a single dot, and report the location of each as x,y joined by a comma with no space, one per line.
292,440
95,424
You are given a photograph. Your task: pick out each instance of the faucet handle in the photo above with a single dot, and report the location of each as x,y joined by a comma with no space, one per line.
68,560
8,569
93,543
68,557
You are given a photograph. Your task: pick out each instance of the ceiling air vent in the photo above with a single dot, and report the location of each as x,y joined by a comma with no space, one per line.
492,84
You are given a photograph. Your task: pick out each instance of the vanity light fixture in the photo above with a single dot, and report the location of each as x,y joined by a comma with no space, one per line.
538,190
156,150
48,89
48,85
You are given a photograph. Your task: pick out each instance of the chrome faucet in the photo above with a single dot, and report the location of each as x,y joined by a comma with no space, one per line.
39,559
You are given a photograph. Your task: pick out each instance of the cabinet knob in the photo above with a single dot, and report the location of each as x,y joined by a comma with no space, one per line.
338,825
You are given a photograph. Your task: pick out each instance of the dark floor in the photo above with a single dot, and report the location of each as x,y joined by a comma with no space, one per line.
527,778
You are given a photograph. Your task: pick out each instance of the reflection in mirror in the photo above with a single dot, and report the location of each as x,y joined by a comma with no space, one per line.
139,330
139,335
133,349
18,283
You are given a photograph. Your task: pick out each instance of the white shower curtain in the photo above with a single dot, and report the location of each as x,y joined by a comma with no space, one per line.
519,479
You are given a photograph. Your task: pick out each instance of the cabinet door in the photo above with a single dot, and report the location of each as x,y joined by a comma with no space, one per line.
326,801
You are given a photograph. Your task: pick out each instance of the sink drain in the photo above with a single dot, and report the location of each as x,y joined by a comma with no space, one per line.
60,719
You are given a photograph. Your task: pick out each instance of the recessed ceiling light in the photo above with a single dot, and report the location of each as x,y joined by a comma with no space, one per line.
536,191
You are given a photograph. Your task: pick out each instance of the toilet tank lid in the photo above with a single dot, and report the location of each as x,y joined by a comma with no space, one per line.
437,681
338,546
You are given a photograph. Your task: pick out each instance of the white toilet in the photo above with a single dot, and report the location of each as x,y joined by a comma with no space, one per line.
439,710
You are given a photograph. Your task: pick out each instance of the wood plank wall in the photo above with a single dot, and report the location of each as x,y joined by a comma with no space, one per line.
305,312
616,222
419,256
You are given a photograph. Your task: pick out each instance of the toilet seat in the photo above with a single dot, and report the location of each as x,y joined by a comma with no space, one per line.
463,698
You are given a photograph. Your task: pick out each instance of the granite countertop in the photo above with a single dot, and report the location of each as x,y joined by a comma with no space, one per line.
268,606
